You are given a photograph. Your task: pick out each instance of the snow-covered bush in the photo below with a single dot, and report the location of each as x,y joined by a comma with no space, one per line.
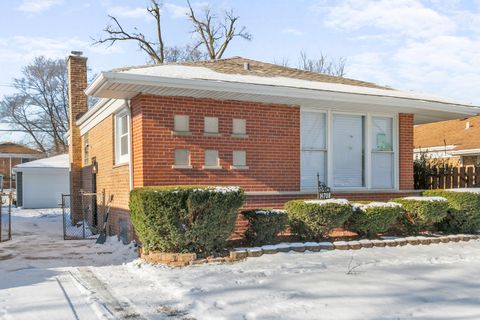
313,219
264,225
464,213
422,212
371,218
185,219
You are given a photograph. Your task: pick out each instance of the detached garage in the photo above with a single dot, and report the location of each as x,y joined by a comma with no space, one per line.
41,183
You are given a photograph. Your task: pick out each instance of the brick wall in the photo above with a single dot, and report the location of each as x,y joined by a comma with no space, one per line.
272,143
272,148
77,83
405,132
111,178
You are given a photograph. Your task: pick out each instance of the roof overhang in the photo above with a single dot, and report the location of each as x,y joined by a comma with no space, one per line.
118,85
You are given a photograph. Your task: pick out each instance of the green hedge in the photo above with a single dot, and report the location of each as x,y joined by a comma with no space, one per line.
464,213
264,225
185,219
313,221
375,217
422,214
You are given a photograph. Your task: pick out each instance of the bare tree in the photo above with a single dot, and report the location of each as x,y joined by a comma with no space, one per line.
39,108
215,33
322,64
154,48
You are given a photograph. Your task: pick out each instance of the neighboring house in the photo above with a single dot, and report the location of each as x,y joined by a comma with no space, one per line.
456,142
266,128
41,183
12,154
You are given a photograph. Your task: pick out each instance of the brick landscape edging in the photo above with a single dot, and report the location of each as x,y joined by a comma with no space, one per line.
238,254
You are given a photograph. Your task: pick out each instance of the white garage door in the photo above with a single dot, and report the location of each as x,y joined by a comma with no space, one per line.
44,190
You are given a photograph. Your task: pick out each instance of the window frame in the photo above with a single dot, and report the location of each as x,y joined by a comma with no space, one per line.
368,132
239,167
239,134
393,151
182,166
181,132
86,149
323,150
211,133
207,166
121,158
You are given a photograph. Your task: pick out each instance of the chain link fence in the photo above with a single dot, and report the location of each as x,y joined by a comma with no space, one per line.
82,215
6,200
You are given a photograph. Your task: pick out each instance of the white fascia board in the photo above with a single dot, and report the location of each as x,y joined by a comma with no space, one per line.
101,112
466,152
436,148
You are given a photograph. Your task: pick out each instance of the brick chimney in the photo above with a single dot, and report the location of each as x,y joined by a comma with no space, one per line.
77,102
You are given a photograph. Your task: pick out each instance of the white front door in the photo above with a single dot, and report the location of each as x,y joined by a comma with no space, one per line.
348,150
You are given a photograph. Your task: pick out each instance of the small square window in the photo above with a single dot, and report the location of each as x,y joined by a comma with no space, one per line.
211,159
239,126
239,159
182,123
211,125
182,157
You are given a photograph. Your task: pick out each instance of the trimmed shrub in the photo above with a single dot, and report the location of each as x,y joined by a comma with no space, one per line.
264,225
185,219
422,212
372,218
464,213
313,219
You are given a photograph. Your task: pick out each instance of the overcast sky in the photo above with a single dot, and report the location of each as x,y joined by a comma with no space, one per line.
428,46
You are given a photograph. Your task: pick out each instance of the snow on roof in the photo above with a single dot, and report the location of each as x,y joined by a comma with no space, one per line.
57,162
204,73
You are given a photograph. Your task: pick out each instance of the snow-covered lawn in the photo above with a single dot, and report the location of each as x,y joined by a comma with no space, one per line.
44,277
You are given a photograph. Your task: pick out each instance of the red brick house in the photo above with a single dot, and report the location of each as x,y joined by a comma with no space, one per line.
266,128
12,154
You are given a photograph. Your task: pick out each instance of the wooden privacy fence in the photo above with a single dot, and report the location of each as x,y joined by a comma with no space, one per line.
452,177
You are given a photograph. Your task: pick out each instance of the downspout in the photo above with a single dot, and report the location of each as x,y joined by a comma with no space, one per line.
130,163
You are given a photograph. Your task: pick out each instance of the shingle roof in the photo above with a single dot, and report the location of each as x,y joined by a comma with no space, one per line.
452,132
236,65
9,147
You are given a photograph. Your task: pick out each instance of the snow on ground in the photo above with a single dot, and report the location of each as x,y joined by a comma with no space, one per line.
37,269
44,277
439,281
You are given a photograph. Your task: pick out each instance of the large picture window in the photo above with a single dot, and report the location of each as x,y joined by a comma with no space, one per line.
122,138
348,151
313,148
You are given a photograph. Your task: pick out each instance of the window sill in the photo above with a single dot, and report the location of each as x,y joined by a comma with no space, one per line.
119,165
239,167
212,134
212,167
239,135
181,133
181,167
